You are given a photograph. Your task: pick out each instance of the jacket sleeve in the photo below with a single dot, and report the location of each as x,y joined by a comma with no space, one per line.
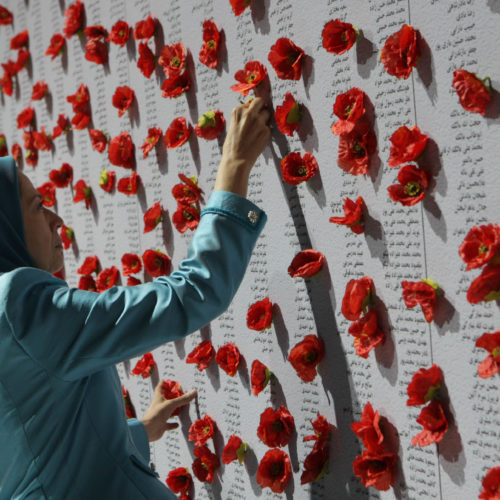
72,333
139,436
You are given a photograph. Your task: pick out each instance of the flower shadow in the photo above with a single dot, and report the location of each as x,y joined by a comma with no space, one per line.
365,55
251,465
425,68
493,109
281,330
260,10
307,132
446,314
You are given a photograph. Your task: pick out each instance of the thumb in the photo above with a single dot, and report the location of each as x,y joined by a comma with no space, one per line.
183,400
170,426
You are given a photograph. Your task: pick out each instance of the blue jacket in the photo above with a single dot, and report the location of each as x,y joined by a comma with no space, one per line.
63,430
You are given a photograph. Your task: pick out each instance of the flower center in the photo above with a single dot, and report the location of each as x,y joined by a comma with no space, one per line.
277,426
251,78
186,215
412,188
347,111
302,171
482,249
496,352
276,469
176,62
310,357
358,150
206,430
431,392
211,44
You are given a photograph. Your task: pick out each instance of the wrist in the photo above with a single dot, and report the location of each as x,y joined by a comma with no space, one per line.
233,176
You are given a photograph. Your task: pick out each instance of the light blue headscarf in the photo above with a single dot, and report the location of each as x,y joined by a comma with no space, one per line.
13,250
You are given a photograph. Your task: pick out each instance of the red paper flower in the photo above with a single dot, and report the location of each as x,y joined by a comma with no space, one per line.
144,366
107,180
156,263
401,51
121,150
286,59
260,315
367,333
146,62
41,140
122,99
355,149
62,177
39,91
175,86
16,152
186,217
87,282
369,429
20,40
173,59
486,286
177,133
275,427
306,355
82,192
6,84
129,407
145,28
411,188
353,217
202,354
210,125
249,77
274,470
322,430
80,99
377,470
228,358
119,33
187,192
98,139
152,217
171,390
96,51
480,246
316,463
338,37
133,281
239,6
424,386
296,169
211,37
89,266
474,95
234,450
31,157
95,32
48,192
6,16
423,293
357,297
491,365
179,480
288,115
259,377
67,236
22,58
57,44
407,145
349,107
205,465
107,278
153,137
202,430
131,264
434,422
73,18
63,126
306,264
80,120
491,485
25,117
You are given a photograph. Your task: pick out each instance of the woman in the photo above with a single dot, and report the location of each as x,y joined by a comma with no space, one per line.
63,429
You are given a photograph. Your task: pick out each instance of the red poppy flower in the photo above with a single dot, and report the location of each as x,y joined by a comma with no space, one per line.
171,390
107,180
187,192
31,157
239,6
210,125
173,59
4,151
153,137
67,236
96,51
349,107
57,44
133,281
63,126
119,33
228,358
434,422
144,366
274,470
367,333
123,99
211,37
491,365
16,152
369,429
205,465
486,286
82,192
146,62
377,470
407,145
29,140
260,315
353,217
39,91
98,139
411,188
177,133
145,28
202,354
401,52
107,278
131,264
322,430
175,86
259,377
186,217
424,386
491,485
87,282
473,93
25,117
202,430
20,40
306,264
357,297
62,177
288,115
129,407
22,57
6,84
80,120
249,77
481,245
156,263
338,37
89,266
235,449
121,150
423,293
306,355
355,149
41,141
275,427
296,169
80,99
286,59
95,32
152,217
179,480
73,18
316,463
48,192
6,16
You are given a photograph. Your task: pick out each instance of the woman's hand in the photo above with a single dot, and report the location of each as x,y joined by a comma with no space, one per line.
160,410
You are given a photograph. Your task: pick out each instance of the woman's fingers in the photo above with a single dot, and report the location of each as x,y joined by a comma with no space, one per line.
181,400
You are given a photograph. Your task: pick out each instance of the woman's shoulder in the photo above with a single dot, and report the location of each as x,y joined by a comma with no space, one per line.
22,278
